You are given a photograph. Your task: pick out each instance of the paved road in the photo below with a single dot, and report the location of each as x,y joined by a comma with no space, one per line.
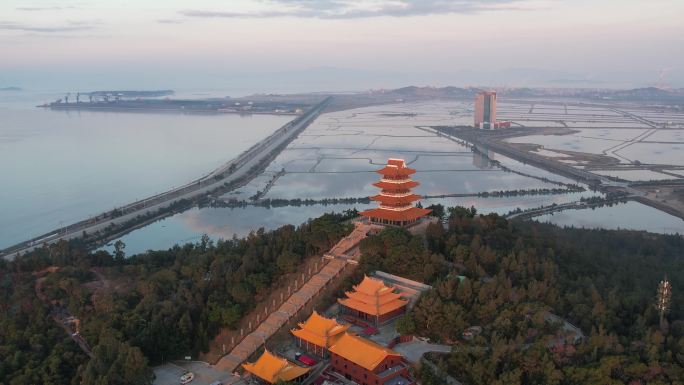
240,167
169,374
414,350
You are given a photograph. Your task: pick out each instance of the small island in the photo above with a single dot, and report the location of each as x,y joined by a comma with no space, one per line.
158,100
131,94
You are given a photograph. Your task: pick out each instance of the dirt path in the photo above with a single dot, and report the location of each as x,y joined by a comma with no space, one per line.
60,314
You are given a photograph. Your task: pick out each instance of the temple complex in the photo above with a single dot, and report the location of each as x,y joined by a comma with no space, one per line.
271,369
395,198
373,301
318,334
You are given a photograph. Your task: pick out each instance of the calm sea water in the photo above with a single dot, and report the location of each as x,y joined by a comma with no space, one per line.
57,167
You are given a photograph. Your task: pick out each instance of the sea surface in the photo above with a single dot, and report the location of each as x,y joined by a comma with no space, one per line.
58,167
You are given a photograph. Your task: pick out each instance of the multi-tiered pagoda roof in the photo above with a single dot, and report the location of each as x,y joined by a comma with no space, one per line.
373,300
320,331
396,199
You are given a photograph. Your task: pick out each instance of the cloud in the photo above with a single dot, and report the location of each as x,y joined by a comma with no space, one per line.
199,13
347,9
170,21
31,9
71,27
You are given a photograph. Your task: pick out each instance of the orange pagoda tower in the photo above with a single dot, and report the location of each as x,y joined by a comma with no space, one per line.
396,199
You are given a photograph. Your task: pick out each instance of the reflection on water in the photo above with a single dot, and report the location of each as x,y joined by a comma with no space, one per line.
630,215
482,161
223,223
220,223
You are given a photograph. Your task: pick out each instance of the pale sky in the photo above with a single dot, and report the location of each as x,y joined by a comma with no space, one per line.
340,44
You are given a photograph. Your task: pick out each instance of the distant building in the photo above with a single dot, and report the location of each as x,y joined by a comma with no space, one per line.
270,369
368,363
485,109
396,199
373,301
318,334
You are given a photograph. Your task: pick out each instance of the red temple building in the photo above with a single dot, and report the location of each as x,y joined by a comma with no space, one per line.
396,199
368,363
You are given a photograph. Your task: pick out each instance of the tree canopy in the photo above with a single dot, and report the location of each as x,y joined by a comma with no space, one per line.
521,281
147,308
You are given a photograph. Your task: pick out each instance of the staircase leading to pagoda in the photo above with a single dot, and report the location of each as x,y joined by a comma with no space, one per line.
344,253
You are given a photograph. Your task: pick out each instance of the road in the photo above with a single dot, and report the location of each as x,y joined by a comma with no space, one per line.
490,140
241,167
170,372
415,350
552,209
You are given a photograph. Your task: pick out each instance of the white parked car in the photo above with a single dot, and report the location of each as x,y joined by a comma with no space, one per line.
187,377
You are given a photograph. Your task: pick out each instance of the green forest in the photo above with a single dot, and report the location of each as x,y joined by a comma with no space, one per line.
515,280
162,304
508,277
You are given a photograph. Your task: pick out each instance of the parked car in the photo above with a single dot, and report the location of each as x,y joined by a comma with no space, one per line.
187,377
306,360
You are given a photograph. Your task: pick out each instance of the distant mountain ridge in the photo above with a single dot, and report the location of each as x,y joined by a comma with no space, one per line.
132,94
448,91
652,94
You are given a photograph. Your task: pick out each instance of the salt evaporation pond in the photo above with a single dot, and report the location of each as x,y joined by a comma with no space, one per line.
336,157
326,161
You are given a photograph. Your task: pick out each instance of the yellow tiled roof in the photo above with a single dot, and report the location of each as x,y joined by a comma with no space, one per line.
370,309
272,369
319,330
373,299
361,351
372,286
372,296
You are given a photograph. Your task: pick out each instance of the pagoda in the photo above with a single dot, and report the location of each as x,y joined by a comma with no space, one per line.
372,300
396,199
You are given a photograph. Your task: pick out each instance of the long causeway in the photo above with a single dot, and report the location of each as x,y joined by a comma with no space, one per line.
339,257
239,168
